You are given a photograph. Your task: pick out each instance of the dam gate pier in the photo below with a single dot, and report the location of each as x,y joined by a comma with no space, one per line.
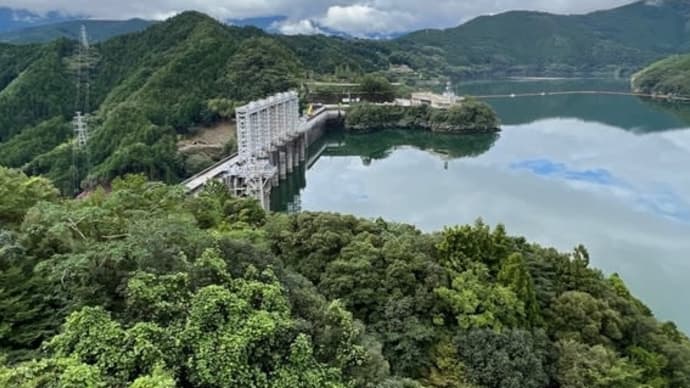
272,140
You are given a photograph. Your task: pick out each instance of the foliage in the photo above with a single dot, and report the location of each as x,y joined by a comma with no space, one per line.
19,193
470,116
146,88
513,358
147,287
376,88
149,87
473,302
522,43
670,76
259,68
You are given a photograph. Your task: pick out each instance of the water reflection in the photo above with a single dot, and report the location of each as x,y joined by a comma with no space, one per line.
375,146
614,181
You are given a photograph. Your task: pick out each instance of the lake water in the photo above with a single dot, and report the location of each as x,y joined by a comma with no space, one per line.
610,172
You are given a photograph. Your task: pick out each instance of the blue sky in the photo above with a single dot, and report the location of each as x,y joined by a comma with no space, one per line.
356,17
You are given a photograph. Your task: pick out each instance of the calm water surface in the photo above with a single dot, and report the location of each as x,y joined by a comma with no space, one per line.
610,172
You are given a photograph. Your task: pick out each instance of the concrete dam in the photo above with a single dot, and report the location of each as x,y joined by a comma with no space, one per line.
272,140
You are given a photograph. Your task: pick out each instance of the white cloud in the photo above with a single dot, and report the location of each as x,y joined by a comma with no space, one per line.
360,19
300,27
353,16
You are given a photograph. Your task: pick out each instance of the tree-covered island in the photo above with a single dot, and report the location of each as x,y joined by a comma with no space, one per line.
469,116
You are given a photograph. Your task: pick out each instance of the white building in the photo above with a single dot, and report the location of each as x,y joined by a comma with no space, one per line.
441,101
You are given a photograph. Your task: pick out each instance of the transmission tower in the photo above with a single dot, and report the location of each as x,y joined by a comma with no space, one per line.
81,64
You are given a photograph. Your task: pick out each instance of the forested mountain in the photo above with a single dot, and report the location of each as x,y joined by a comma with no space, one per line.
146,89
98,30
147,287
143,286
150,87
534,43
668,76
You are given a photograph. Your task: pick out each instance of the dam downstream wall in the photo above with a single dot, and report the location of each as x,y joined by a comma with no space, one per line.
283,159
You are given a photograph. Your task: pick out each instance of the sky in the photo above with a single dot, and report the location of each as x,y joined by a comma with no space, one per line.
356,17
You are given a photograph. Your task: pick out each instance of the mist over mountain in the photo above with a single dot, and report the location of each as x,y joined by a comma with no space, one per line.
12,19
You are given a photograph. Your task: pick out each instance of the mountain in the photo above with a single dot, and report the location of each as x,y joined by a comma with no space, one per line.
149,87
668,76
615,41
15,19
98,30
146,89
659,26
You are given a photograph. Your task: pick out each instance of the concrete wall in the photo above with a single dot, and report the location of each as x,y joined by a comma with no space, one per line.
317,126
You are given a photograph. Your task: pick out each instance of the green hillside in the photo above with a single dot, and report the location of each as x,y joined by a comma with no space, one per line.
668,76
98,30
148,287
608,42
149,87
659,27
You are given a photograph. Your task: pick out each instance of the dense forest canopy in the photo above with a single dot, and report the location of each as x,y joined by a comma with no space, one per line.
147,287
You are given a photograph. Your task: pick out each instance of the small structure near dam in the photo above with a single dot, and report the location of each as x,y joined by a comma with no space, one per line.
272,139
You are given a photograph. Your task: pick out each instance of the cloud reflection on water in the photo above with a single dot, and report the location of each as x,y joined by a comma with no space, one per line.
559,182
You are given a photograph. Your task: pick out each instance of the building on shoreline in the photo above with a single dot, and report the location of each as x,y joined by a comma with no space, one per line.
441,101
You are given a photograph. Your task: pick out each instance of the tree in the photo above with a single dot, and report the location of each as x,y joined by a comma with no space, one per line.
510,359
19,193
158,379
514,275
28,314
376,88
581,366
260,67
461,246
353,278
52,372
220,108
160,299
93,338
580,317
474,302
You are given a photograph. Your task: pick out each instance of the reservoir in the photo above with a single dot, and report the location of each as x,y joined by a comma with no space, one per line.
609,172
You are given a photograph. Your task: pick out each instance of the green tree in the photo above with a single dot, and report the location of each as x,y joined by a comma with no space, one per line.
376,88
474,302
580,317
514,275
461,246
510,359
581,366
19,193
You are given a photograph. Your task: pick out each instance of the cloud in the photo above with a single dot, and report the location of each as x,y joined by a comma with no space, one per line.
353,16
359,19
300,27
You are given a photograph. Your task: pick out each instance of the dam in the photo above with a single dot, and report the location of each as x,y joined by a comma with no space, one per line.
272,140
